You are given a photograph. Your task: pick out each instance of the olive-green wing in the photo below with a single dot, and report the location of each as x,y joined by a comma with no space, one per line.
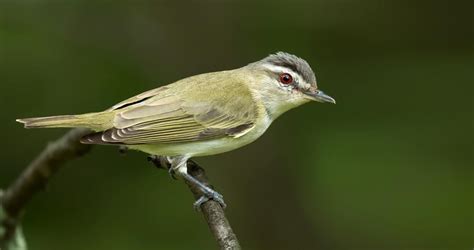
135,100
172,118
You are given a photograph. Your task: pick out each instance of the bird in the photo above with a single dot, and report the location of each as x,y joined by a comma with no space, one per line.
200,115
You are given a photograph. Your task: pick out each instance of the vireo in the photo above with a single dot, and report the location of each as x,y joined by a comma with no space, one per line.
200,115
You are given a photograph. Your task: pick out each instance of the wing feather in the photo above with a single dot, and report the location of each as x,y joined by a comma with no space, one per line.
191,114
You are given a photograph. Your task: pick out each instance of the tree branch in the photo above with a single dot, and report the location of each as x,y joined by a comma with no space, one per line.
35,177
212,210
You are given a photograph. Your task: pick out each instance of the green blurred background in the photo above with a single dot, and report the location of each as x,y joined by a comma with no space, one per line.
390,166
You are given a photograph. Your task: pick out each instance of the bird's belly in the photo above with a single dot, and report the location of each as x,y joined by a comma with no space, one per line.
202,148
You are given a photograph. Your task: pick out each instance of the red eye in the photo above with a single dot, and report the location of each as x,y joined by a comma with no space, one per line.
286,78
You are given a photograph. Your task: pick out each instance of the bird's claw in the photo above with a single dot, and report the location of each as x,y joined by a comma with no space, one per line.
173,170
209,195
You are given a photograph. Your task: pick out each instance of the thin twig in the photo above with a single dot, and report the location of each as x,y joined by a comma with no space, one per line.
49,161
212,210
36,176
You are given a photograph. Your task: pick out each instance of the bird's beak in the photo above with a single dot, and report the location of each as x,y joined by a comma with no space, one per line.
319,96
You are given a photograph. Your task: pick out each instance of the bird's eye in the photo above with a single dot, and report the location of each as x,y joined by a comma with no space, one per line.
286,78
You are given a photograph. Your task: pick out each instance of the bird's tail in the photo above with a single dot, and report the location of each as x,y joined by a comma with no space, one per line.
93,121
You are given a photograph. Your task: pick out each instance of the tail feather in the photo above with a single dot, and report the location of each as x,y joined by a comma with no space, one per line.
93,121
49,122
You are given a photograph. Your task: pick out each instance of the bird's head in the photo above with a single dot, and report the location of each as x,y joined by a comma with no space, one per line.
286,81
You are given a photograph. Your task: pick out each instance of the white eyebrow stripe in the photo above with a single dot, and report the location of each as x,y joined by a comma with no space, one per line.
276,69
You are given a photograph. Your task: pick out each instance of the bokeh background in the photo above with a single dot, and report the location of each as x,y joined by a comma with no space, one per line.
390,166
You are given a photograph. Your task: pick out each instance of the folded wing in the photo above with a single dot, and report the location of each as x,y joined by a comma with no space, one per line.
162,117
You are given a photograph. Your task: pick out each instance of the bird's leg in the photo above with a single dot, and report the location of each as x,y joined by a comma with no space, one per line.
179,167
175,164
208,193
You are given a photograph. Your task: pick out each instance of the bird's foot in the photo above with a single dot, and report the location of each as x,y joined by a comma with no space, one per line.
177,167
209,194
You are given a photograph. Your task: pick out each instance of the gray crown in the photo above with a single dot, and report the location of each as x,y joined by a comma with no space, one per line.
294,63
